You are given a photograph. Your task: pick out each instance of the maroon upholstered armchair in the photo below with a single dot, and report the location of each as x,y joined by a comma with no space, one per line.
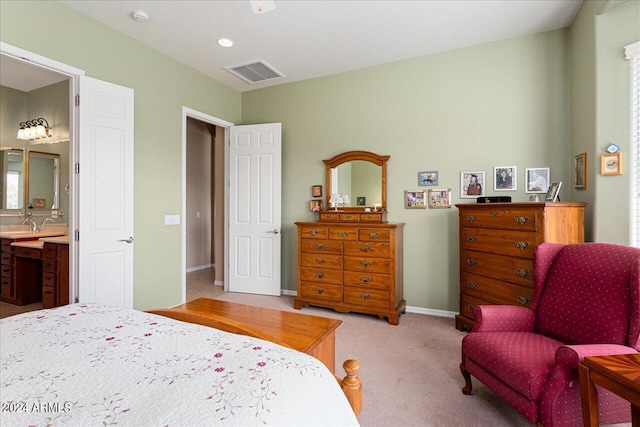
586,302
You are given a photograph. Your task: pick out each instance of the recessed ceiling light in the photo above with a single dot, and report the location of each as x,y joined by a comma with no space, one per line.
140,15
225,42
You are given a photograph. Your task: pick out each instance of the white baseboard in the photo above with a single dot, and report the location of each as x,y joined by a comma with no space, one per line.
409,309
200,267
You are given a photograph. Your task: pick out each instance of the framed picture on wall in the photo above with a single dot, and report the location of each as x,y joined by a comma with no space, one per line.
439,198
611,164
428,178
580,172
504,178
316,191
471,184
415,199
536,180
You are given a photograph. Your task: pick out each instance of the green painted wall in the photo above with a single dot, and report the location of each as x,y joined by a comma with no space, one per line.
498,104
162,87
600,109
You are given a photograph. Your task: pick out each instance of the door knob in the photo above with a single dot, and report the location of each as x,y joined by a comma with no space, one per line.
274,231
129,240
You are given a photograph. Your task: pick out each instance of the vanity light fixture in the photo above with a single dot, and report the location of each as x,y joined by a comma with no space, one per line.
34,129
225,42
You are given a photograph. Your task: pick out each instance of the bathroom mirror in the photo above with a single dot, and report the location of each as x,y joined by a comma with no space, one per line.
12,175
362,176
44,181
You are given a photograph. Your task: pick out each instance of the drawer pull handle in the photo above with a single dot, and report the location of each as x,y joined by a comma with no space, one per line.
319,290
470,307
320,275
320,261
522,272
522,300
348,216
342,234
471,239
365,296
365,264
494,213
374,235
369,216
472,261
521,219
521,245
471,218
320,246
472,285
313,233
365,280
365,248
329,216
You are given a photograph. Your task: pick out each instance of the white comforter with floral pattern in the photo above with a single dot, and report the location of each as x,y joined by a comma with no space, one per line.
89,365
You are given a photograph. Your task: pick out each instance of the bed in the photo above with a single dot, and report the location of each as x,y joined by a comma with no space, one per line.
90,364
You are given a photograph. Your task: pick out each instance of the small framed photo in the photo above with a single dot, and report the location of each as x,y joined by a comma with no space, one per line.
439,198
505,178
415,199
361,201
537,180
428,178
39,203
580,172
553,194
471,184
316,191
611,164
315,205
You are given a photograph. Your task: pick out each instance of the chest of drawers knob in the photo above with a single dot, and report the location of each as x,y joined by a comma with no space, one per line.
365,280
313,233
342,234
320,246
365,264
521,219
365,248
472,285
522,272
471,218
320,275
365,296
471,239
522,300
521,245
472,261
320,261
493,213
319,290
374,235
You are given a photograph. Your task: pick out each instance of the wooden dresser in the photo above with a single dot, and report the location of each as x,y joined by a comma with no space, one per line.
497,241
351,265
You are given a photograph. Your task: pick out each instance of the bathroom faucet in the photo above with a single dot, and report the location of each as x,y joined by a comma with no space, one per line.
33,226
44,221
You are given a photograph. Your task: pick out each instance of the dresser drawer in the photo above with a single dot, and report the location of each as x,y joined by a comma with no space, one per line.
506,242
510,269
343,233
378,250
6,289
333,262
467,303
373,265
321,246
6,270
349,217
6,245
373,298
324,275
367,280
49,264
48,278
307,232
321,291
495,291
28,252
501,218
374,234
7,258
373,217
48,297
49,250
330,216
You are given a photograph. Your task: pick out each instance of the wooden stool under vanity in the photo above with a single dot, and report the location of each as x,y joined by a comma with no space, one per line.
351,259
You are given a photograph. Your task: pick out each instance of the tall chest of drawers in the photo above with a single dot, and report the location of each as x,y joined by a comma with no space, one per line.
497,241
351,267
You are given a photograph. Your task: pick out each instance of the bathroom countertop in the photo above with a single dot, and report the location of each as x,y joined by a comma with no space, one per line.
33,244
29,234
57,239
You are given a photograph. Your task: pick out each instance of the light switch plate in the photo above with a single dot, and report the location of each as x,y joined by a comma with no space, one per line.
172,220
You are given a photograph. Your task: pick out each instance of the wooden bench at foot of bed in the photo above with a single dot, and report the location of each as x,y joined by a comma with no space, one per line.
312,335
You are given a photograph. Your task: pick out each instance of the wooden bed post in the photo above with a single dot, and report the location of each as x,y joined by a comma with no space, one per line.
351,385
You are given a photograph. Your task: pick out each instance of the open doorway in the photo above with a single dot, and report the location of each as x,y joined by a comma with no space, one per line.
204,214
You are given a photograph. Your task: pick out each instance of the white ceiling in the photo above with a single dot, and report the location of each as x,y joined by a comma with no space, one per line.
308,39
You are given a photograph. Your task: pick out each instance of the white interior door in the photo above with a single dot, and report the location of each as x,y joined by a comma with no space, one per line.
105,181
255,208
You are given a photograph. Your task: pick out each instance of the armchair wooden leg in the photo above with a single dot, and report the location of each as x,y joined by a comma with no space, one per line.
467,379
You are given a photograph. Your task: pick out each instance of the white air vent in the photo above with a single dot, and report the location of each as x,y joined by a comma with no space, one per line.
255,71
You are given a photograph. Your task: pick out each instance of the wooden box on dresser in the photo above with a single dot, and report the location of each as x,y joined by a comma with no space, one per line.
497,241
350,261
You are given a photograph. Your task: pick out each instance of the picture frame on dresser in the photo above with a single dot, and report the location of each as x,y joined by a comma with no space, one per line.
553,194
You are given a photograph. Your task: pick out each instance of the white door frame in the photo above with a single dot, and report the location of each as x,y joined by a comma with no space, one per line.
194,114
74,88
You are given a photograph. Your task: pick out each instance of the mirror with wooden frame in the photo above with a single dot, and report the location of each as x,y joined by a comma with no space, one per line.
359,175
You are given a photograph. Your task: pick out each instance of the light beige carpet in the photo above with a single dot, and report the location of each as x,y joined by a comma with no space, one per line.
410,372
